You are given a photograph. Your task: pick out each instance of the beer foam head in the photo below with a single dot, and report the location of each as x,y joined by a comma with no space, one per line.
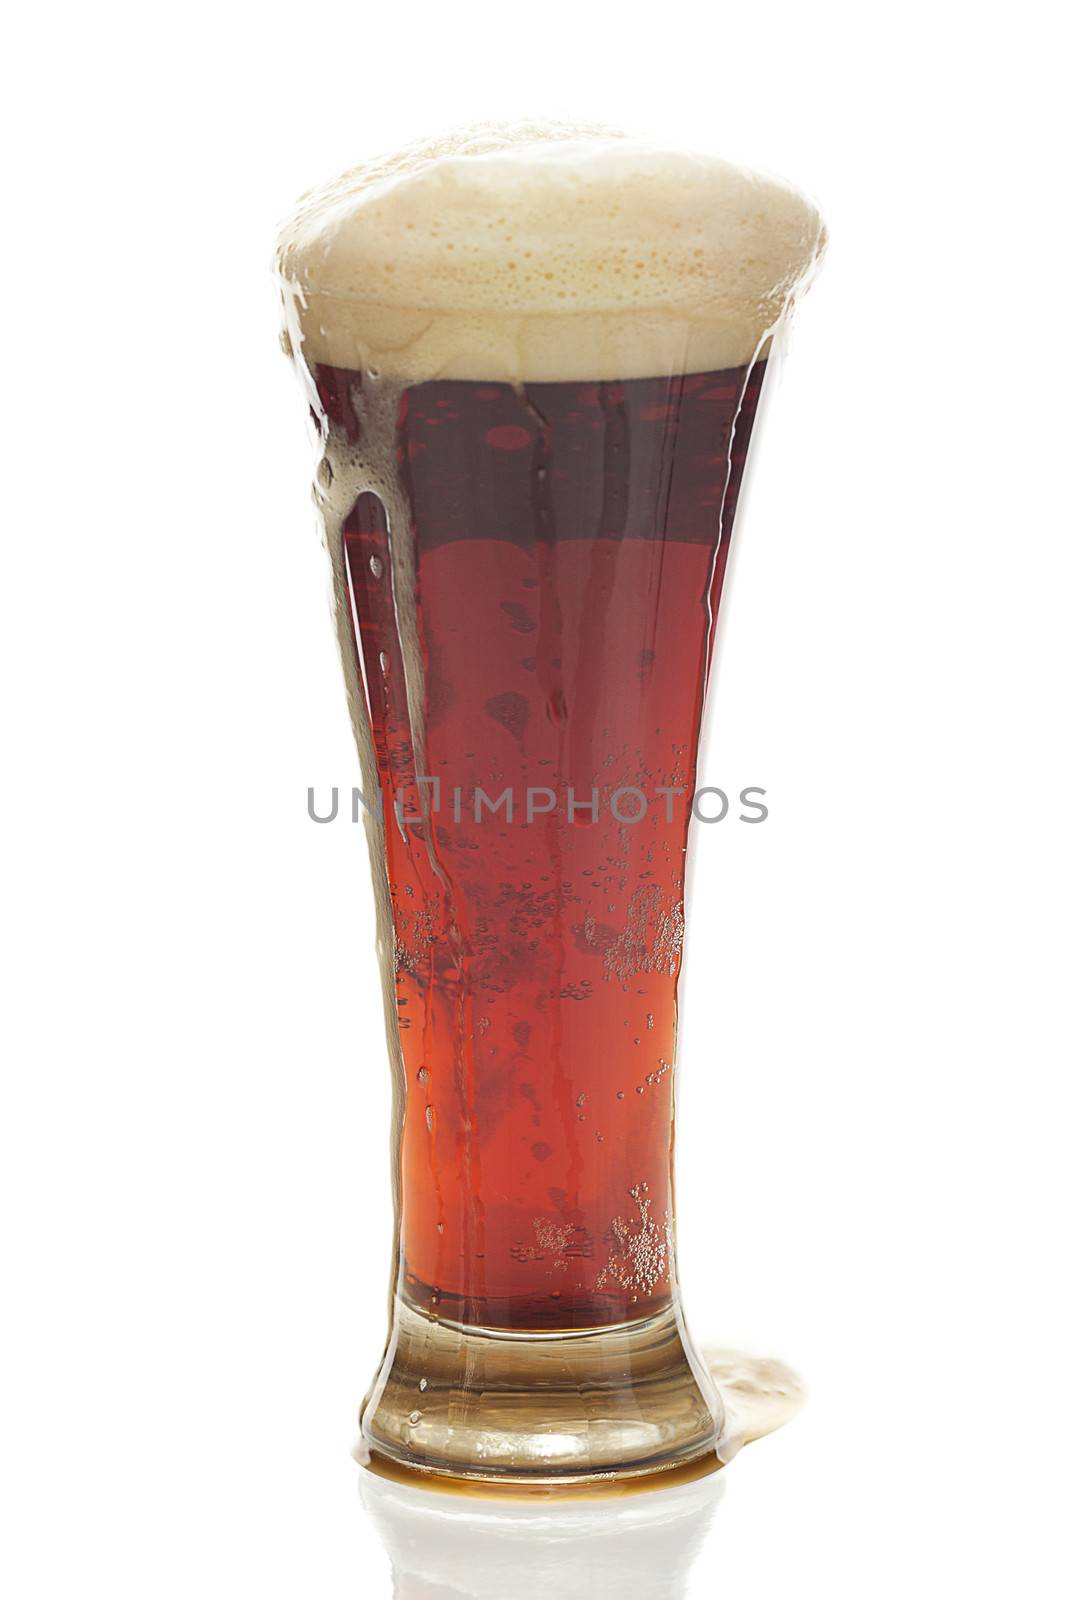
544,252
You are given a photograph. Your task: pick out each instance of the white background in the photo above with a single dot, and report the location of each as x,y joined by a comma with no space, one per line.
194,1154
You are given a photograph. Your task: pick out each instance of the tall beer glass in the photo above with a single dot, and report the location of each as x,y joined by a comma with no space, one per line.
534,359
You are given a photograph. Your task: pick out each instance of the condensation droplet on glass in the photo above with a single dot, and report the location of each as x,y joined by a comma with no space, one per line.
376,567
415,1418
383,660
423,1075
424,1384
429,1118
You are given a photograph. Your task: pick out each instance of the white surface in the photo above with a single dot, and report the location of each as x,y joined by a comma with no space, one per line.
194,1137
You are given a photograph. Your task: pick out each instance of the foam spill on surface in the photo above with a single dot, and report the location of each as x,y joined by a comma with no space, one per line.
544,252
759,1394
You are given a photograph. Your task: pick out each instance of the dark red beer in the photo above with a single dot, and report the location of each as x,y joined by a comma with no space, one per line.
570,544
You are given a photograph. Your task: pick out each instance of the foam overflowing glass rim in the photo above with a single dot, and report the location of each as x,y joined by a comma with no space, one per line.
540,253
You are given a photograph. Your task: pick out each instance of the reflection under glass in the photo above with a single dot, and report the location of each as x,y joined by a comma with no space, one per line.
445,1547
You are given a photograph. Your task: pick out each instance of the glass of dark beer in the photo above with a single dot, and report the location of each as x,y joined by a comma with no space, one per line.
534,359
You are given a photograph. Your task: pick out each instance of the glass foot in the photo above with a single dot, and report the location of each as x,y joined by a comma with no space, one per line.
539,1409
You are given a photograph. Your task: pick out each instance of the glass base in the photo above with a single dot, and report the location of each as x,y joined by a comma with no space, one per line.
552,1409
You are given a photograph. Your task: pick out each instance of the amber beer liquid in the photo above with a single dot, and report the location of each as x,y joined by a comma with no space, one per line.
534,357
571,540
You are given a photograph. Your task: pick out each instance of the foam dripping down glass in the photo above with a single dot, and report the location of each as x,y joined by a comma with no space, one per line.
534,358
